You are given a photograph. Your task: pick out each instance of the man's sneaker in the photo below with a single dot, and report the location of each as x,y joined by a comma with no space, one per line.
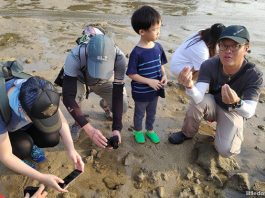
108,113
75,132
177,138
37,154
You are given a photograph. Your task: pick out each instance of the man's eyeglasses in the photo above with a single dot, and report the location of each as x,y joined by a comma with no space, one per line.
232,48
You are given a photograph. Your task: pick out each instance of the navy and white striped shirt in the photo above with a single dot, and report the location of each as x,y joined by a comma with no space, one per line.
147,63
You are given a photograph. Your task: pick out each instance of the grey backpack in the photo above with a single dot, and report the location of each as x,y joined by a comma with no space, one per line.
8,70
97,56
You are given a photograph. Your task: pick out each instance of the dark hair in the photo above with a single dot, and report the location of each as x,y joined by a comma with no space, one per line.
144,18
210,36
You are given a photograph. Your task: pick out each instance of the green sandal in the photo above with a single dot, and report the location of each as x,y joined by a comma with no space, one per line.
153,136
139,137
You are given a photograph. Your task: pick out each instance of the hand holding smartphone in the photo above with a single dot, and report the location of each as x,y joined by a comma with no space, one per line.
69,178
31,190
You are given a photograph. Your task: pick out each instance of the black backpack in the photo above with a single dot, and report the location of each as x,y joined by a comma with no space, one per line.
8,71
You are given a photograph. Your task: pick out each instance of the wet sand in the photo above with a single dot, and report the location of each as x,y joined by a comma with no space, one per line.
40,33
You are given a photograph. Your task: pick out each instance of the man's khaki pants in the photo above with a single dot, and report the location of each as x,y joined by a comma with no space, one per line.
229,128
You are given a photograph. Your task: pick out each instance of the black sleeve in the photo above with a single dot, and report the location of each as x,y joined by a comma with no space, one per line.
69,94
117,106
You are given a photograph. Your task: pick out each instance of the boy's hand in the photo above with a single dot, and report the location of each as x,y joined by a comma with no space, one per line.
155,84
164,80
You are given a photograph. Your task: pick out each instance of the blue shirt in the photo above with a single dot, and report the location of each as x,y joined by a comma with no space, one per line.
18,117
146,62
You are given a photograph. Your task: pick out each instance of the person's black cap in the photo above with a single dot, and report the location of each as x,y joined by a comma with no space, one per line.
236,33
40,100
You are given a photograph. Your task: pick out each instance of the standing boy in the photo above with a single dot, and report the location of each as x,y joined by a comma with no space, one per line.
146,70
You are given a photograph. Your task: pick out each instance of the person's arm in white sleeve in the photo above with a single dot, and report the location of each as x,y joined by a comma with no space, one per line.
197,91
248,108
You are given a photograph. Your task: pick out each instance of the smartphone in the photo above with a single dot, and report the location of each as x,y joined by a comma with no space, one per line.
31,190
161,93
69,178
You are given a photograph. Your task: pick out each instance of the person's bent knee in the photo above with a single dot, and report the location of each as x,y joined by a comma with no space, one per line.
24,151
225,151
21,144
49,140
226,154
54,141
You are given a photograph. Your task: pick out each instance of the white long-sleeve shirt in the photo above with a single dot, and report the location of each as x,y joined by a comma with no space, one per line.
198,91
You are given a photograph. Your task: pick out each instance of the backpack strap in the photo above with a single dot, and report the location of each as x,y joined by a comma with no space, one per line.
4,102
83,62
83,55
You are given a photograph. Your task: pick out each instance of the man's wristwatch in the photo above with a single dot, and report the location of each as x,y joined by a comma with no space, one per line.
237,104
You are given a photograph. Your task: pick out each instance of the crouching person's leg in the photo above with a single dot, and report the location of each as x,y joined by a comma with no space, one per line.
43,139
229,133
195,113
205,109
109,90
27,144
21,143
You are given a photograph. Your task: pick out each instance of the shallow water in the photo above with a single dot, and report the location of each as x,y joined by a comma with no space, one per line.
167,7
179,17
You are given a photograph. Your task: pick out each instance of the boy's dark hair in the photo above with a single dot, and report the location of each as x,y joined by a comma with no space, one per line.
144,18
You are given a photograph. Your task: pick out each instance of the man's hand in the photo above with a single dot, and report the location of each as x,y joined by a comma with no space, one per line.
229,96
95,135
185,77
116,132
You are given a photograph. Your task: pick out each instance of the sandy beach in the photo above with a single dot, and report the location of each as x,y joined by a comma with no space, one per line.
41,33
